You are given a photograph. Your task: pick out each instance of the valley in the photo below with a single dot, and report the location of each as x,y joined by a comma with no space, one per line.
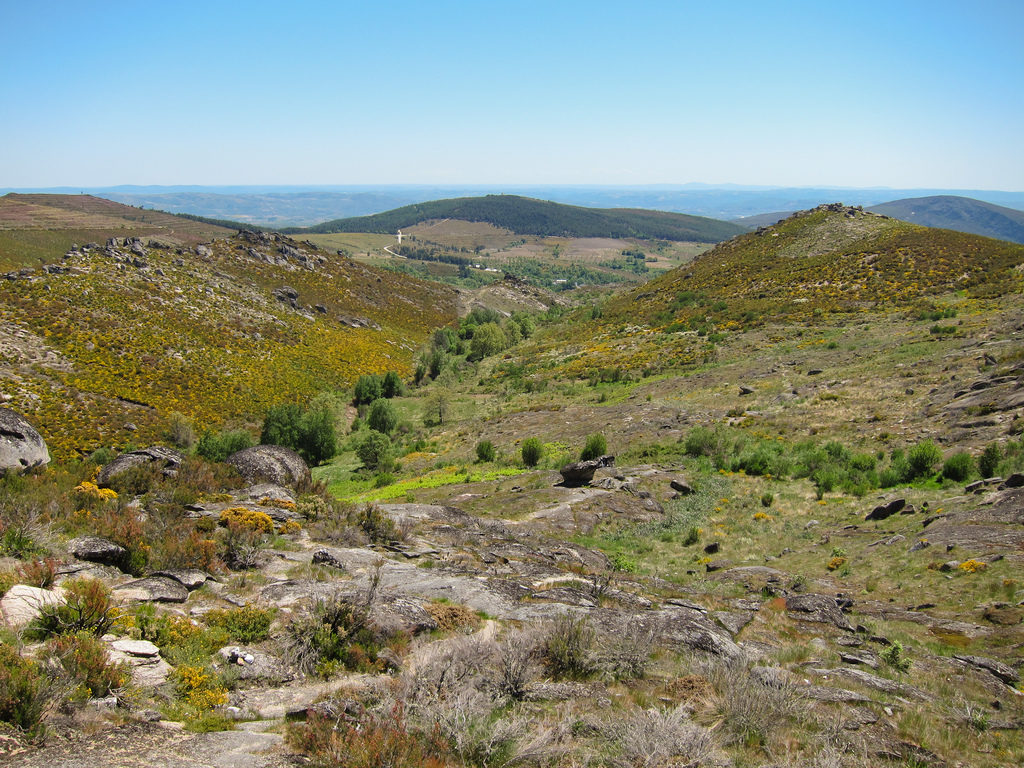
610,498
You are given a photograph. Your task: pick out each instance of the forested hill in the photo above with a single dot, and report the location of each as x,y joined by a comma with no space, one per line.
527,216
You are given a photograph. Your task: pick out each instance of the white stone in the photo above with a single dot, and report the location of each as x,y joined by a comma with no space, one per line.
23,603
135,647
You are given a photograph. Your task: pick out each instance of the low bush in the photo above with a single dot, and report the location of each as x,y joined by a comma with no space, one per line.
27,693
485,451
988,464
217,446
751,710
249,624
370,742
88,607
567,651
596,446
38,573
959,467
531,451
922,460
85,660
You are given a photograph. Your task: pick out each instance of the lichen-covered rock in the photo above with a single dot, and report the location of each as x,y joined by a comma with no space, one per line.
21,446
817,608
167,460
96,549
155,589
270,464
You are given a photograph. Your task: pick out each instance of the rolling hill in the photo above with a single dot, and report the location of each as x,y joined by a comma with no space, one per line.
36,228
528,216
963,214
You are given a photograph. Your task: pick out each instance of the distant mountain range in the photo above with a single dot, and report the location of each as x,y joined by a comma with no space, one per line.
281,206
527,216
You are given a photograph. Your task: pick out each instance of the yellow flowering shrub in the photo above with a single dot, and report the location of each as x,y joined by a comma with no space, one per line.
198,686
836,562
972,566
247,518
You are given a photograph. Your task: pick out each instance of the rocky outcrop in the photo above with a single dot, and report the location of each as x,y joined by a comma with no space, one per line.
883,511
21,446
582,472
161,459
270,464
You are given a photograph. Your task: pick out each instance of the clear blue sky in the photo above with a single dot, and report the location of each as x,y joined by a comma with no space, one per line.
867,93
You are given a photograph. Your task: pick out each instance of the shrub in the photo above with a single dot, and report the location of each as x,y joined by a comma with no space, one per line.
369,387
568,649
247,518
310,432
199,687
958,467
371,742
180,430
244,625
382,416
244,544
895,657
485,451
376,524
26,692
38,573
922,460
85,660
217,446
374,451
88,607
595,446
988,464
750,709
531,451
767,499
653,737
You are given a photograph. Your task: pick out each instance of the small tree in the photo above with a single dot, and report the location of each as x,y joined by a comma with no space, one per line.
437,408
488,339
180,430
988,464
217,446
922,459
392,385
531,451
382,416
596,446
318,439
375,451
281,426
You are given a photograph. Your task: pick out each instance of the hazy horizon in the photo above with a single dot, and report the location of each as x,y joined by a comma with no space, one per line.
909,95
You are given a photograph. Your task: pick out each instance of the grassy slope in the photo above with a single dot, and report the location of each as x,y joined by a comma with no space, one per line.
538,217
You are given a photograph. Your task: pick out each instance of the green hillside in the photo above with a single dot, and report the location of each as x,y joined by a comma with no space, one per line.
527,216
963,214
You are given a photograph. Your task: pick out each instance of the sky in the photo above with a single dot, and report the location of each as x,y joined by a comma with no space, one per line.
874,93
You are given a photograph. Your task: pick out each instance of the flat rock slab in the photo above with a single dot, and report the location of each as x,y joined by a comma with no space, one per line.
1002,671
190,578
153,589
135,647
23,603
876,682
817,608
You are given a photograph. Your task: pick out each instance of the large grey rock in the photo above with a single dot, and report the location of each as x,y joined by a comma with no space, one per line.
817,608
21,446
882,511
582,472
166,460
97,549
680,626
153,589
23,603
271,464
396,614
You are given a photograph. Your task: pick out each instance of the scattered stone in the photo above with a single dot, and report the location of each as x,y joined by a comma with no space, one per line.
21,446
270,463
858,658
22,603
96,549
884,511
1016,480
154,589
166,460
746,390
680,485
734,621
582,472
325,557
718,565
949,565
